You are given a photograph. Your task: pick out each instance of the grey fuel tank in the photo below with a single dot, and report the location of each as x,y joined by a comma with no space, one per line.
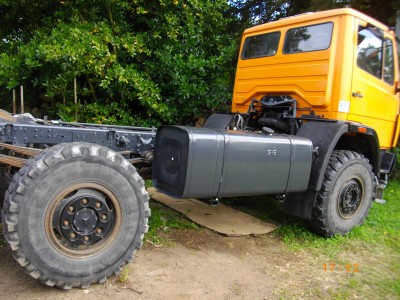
203,162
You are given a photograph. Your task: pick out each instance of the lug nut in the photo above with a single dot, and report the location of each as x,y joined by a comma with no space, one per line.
66,223
71,208
98,231
104,217
86,238
85,201
98,204
72,235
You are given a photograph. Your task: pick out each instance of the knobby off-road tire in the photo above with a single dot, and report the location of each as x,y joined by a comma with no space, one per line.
74,214
346,194
5,180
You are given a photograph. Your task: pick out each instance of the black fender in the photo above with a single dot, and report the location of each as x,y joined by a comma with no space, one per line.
371,148
218,121
327,136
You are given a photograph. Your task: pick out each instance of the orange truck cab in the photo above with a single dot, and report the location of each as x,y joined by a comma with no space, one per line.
339,64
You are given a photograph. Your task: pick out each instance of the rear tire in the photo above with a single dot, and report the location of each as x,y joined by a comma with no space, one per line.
74,214
346,194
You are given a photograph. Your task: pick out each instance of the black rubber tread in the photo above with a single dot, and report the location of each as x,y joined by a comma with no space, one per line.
323,214
18,207
5,180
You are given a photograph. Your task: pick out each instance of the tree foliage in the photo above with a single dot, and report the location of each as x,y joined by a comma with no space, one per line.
384,11
160,60
138,62
251,12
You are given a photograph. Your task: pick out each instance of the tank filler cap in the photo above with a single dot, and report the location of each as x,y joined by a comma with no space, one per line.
267,130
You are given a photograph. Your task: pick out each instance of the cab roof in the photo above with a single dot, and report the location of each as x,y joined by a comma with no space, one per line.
315,16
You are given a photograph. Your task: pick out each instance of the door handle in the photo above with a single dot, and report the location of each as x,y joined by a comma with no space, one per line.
357,94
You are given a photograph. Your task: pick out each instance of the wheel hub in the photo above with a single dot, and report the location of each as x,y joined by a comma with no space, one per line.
83,219
350,199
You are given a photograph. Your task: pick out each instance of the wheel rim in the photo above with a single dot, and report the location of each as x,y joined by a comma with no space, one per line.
83,219
351,196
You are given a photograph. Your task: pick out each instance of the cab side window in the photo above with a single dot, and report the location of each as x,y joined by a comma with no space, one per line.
375,54
308,38
261,45
369,52
388,70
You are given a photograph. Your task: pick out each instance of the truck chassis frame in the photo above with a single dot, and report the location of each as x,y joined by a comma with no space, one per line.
21,141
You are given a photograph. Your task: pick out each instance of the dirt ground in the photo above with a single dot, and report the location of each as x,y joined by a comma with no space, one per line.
198,264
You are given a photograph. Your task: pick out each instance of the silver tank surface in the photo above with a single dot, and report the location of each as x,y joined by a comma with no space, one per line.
202,162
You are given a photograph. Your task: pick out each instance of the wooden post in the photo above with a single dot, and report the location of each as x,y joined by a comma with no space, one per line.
75,99
14,103
75,92
22,98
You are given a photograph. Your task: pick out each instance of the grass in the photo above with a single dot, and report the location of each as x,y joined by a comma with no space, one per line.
162,220
375,246
123,276
382,227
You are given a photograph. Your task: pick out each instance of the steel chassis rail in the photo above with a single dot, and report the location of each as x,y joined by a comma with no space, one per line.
20,141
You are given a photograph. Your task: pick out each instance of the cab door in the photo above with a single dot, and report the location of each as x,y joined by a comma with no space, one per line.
374,101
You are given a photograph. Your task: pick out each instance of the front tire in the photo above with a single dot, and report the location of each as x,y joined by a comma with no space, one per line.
74,214
346,194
